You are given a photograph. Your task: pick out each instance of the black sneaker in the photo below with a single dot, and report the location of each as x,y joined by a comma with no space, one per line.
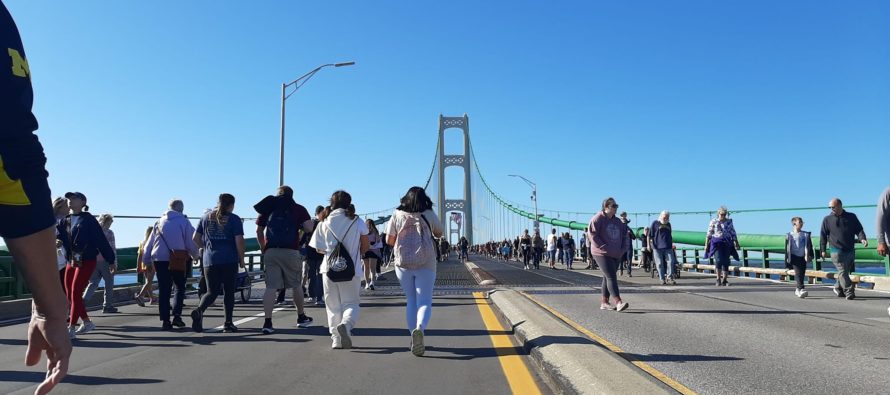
197,321
303,321
838,292
267,327
167,326
851,296
109,310
229,327
177,322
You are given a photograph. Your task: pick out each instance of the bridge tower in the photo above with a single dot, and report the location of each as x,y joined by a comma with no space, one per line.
465,205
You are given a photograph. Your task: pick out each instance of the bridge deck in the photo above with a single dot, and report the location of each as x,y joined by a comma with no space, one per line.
128,353
754,336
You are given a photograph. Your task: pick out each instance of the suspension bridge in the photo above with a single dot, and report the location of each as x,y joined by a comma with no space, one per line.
522,331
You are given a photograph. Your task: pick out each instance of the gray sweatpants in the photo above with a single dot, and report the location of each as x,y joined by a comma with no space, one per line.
101,272
844,262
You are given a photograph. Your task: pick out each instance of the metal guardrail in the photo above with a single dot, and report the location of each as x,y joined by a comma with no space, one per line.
693,258
13,286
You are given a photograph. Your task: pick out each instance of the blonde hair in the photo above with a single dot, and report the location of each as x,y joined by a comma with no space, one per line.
106,218
723,210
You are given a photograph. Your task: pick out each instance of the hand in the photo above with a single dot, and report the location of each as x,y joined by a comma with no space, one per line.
112,268
882,249
824,255
58,243
864,242
49,335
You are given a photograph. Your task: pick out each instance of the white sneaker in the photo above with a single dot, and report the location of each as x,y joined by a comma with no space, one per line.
343,334
606,306
336,344
621,306
85,327
803,293
797,293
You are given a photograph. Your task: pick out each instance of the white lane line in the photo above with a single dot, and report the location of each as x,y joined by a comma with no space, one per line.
243,320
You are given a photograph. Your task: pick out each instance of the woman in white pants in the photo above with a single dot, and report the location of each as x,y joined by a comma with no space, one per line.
341,298
411,231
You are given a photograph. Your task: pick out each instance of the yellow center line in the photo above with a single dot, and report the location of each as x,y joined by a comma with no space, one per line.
599,339
519,377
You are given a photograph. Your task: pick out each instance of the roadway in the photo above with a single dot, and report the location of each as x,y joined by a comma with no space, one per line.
754,336
467,351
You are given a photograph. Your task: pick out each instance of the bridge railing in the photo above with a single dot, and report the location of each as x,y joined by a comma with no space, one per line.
13,286
758,262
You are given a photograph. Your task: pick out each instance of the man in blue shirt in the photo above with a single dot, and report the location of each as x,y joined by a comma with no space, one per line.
661,240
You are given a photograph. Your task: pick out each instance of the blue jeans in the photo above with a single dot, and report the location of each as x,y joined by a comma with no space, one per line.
166,279
418,287
552,256
665,257
569,257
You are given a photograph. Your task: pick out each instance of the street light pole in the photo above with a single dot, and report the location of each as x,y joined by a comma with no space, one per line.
534,198
297,83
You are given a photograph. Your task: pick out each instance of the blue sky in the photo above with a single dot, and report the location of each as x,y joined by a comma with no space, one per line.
682,105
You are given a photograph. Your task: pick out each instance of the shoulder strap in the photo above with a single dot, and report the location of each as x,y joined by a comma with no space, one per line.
164,239
344,235
427,225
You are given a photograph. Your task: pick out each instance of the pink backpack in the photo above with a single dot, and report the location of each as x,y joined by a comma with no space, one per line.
414,242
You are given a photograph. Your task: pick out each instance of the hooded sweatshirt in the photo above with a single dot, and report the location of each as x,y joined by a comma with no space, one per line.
177,231
608,236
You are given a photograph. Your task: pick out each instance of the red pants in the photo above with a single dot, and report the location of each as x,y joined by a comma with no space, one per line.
76,280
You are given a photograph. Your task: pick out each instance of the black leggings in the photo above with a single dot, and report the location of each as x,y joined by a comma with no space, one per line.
216,275
609,266
800,267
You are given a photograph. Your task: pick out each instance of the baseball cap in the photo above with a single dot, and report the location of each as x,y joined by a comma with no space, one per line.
78,195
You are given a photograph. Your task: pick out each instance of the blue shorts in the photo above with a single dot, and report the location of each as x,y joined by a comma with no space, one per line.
25,200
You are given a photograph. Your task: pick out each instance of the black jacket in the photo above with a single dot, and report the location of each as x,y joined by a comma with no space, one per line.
86,239
841,231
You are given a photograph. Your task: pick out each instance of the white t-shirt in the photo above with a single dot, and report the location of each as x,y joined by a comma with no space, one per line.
336,224
398,219
551,242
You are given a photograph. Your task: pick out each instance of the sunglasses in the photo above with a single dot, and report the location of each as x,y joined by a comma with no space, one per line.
613,206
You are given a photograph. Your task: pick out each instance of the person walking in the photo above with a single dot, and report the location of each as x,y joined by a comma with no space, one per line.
552,241
104,271
627,259
342,240
372,256
278,227
568,248
608,243
721,242
147,270
883,225
537,249
660,239
221,234
798,252
840,229
412,230
84,240
525,243
61,209
464,246
167,249
313,262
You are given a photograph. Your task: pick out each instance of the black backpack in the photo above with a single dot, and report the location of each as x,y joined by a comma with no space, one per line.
341,267
281,231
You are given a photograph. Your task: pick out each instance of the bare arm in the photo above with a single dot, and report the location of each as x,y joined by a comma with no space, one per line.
261,236
239,243
364,244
